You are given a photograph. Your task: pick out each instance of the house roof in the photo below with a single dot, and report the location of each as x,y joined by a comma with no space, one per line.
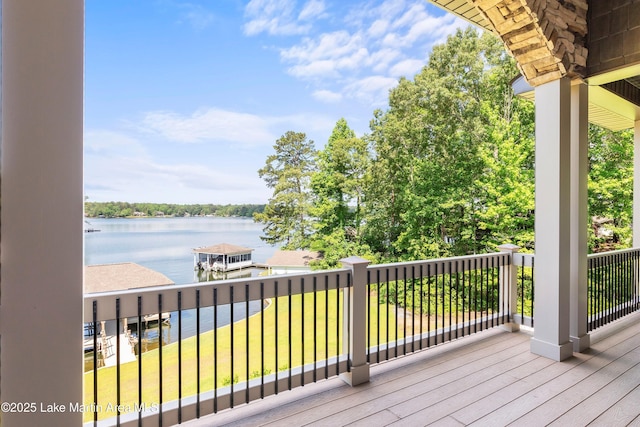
293,258
222,249
117,277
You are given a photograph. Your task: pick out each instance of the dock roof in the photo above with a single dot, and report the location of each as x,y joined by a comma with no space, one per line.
117,277
223,249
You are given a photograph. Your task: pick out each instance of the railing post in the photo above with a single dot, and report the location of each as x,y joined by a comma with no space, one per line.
355,331
509,294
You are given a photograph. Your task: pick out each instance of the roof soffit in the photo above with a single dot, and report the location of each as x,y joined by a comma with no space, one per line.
546,37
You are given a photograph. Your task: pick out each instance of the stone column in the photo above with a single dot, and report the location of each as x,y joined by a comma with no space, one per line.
579,215
41,323
552,223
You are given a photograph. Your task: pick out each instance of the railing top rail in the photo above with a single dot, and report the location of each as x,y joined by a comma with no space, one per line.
610,253
438,260
165,298
440,265
523,259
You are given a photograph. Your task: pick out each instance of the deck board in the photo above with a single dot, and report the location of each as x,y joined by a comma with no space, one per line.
490,378
413,391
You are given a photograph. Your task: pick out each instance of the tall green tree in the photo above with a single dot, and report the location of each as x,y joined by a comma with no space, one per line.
610,188
338,186
338,182
506,186
288,173
424,194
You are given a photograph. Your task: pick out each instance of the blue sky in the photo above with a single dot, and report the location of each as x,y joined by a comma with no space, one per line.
185,99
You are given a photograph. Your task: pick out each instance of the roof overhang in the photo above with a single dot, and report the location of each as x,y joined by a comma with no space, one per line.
465,10
614,96
606,108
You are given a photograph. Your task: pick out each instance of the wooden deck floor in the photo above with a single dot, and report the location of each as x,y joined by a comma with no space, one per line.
490,379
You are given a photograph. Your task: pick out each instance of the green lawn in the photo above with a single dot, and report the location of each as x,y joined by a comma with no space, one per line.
150,383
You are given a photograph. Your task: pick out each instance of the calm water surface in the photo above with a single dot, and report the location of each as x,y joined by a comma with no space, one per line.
164,245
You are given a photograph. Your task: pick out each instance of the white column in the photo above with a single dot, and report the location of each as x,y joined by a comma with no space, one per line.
579,215
41,329
552,231
636,186
636,197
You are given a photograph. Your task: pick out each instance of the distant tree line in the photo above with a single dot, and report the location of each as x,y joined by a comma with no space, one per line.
447,170
125,209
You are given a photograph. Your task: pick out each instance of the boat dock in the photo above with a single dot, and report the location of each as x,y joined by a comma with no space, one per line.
107,345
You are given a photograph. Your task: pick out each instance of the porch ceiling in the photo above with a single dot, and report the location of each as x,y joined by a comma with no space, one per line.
614,96
466,10
607,107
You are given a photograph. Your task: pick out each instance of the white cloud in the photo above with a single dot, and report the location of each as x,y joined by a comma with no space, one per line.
274,17
332,45
381,59
210,124
121,167
196,16
314,9
407,68
362,13
325,68
106,142
372,89
378,28
327,96
137,163
381,41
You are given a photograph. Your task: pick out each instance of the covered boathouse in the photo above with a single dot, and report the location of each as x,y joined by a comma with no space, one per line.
222,258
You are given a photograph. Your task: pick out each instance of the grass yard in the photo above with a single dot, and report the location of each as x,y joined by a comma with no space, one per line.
327,334
331,343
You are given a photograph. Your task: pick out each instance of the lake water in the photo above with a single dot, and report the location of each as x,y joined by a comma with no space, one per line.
164,245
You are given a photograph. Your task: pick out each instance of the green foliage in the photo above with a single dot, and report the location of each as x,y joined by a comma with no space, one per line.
444,294
226,381
257,374
338,187
125,209
447,170
610,188
288,173
336,246
507,183
338,181
442,149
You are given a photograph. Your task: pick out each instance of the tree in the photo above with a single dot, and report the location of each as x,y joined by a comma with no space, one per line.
610,188
424,195
337,183
508,180
338,190
288,173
